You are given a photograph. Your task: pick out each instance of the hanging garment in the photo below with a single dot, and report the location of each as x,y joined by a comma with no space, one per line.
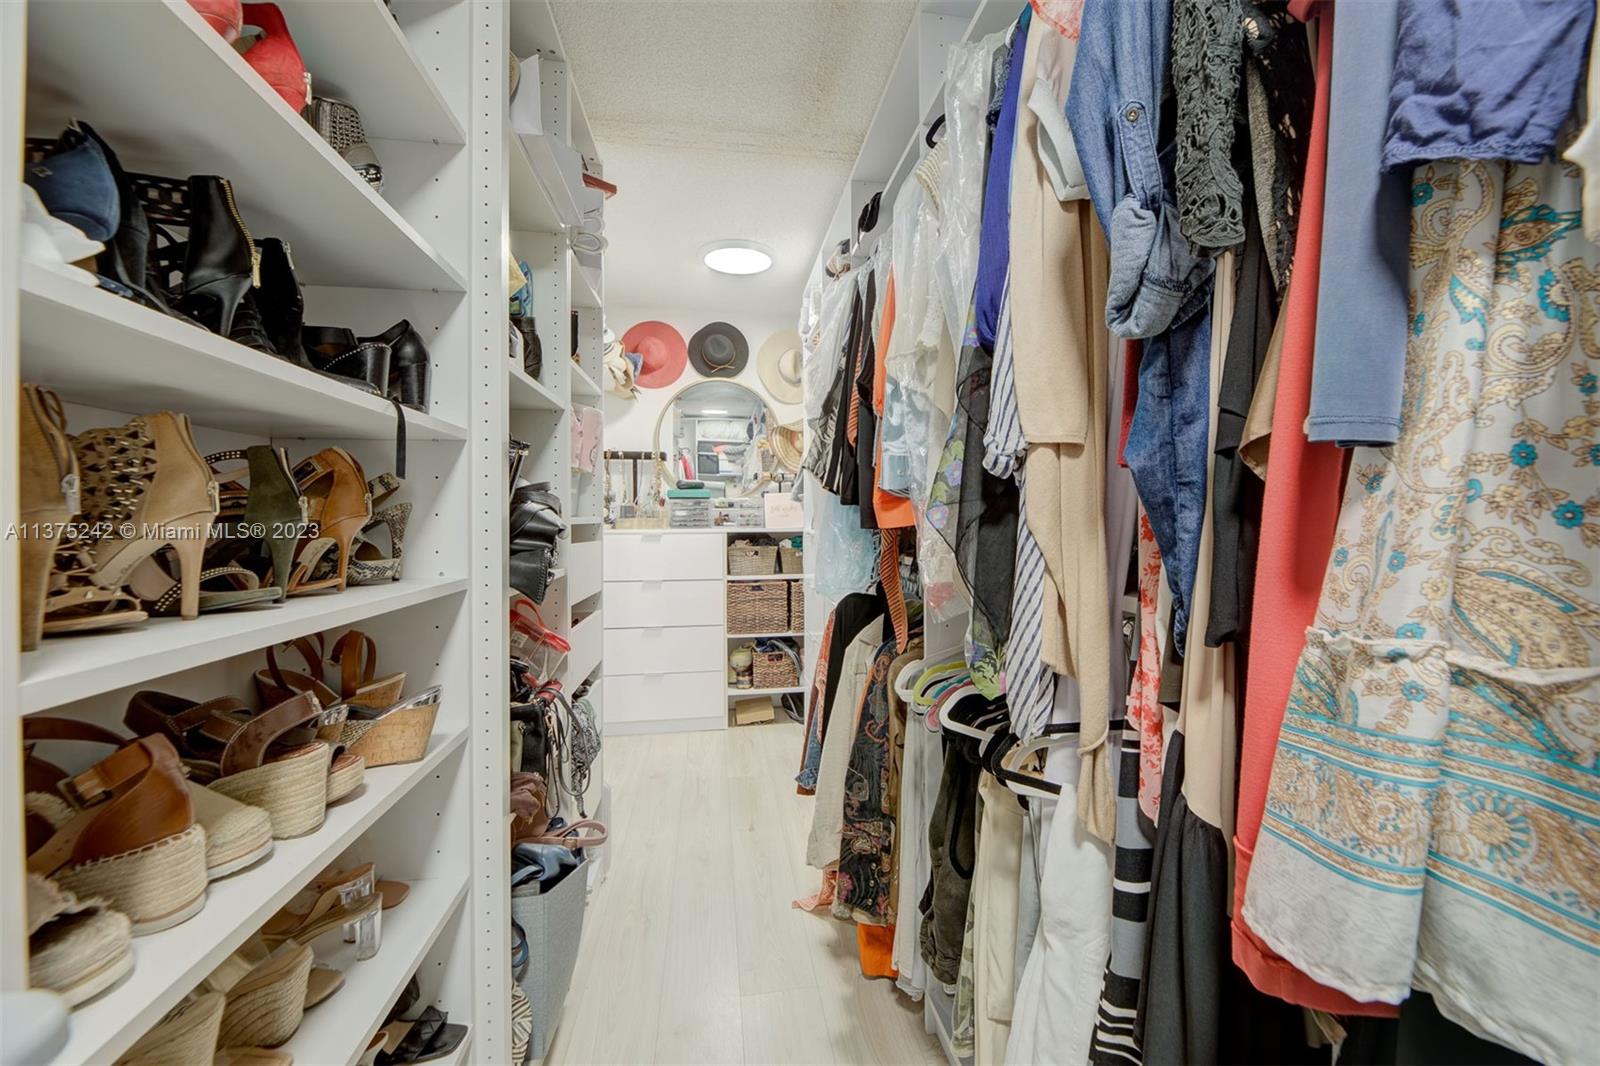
994,239
867,831
1058,996
1145,715
966,102
851,616
1435,775
827,814
921,772
994,920
1361,358
1299,511
1207,63
1584,151
1465,87
1255,440
1278,92
952,851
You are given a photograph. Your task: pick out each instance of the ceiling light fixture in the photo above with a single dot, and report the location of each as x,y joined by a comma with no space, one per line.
737,257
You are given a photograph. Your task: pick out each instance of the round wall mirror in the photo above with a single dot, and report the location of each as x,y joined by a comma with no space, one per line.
724,434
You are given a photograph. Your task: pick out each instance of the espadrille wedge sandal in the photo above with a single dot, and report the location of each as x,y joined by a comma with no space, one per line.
355,655
266,993
252,1056
275,684
187,1036
237,835
132,838
270,760
76,948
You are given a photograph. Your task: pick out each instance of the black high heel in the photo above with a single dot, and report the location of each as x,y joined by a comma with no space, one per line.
334,350
220,258
408,364
279,302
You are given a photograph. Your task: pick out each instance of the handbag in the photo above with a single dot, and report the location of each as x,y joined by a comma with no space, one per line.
534,643
271,53
531,814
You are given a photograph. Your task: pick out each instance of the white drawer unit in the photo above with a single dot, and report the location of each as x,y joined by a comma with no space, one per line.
665,649
636,604
664,556
654,703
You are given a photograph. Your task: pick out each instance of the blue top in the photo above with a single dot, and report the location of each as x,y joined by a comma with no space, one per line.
994,238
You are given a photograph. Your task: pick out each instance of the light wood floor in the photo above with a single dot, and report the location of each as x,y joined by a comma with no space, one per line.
691,951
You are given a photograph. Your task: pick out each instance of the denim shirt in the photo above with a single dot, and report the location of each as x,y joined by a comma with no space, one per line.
1114,111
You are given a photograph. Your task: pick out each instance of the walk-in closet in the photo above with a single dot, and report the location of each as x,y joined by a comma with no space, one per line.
940,532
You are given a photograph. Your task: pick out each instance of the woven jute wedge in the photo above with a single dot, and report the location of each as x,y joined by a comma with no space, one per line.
132,839
76,948
345,775
266,994
399,734
269,759
187,1036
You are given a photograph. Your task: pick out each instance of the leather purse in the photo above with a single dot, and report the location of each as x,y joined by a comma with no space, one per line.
271,53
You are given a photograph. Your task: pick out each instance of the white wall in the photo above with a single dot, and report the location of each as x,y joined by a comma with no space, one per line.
630,424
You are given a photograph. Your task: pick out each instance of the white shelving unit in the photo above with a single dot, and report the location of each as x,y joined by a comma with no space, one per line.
174,99
795,635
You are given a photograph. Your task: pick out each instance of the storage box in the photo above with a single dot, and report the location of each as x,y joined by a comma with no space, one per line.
749,560
758,607
774,669
553,924
752,710
791,560
797,606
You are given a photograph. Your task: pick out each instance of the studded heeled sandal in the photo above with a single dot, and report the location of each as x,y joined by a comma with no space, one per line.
369,565
146,487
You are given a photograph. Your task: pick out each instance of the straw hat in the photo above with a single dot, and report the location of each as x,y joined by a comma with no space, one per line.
786,442
662,351
779,362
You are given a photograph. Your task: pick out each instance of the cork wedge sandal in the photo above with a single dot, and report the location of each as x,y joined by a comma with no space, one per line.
237,834
132,838
270,760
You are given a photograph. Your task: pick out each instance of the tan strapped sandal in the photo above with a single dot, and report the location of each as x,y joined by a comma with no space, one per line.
76,948
390,893
132,839
354,654
309,915
237,834
337,506
270,760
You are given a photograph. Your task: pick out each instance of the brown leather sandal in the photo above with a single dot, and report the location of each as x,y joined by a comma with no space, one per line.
237,834
133,840
356,656
270,760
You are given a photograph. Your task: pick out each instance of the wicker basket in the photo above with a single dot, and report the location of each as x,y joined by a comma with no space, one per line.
774,669
797,606
752,560
758,607
792,560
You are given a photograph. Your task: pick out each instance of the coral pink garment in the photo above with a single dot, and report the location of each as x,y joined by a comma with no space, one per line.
1144,702
1299,512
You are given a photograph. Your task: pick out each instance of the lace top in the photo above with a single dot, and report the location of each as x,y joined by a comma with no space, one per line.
1206,61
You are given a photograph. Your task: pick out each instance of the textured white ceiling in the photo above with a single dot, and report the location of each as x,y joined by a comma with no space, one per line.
724,120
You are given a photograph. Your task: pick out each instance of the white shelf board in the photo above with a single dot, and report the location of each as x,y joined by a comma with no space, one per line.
585,289
99,349
765,691
169,963
541,200
357,52
196,107
339,1029
583,386
766,577
531,208
530,394
757,636
64,669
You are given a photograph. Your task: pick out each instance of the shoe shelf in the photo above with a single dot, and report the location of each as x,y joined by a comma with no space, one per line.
358,52
173,98
170,963
338,1030
585,285
73,668
583,386
97,348
530,394
788,690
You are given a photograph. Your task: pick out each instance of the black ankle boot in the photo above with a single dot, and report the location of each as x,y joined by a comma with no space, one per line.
219,268
408,364
278,301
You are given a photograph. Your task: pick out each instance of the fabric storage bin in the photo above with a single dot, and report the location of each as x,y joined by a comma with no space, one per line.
774,669
750,560
553,923
791,560
758,607
797,606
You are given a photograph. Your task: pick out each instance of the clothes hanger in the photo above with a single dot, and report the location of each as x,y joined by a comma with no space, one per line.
1004,761
975,716
937,125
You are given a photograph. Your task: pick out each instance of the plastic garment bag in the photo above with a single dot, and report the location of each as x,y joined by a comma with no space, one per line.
846,555
966,103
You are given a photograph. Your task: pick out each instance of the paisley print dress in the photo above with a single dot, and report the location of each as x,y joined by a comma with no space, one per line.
1434,812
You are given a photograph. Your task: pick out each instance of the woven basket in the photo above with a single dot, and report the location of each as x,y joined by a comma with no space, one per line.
774,669
752,560
758,607
797,606
792,560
